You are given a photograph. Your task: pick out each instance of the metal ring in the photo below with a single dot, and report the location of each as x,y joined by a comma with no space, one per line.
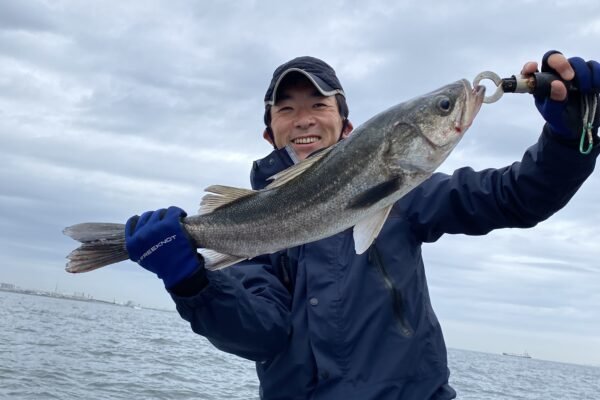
497,81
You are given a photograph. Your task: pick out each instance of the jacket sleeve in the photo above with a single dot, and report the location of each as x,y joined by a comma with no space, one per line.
243,309
520,195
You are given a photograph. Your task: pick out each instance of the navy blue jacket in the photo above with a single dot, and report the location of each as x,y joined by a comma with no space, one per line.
322,322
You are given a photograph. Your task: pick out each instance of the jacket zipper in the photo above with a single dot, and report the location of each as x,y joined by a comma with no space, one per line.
395,293
284,267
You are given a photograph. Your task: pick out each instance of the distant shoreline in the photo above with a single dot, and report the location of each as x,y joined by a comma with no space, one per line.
89,299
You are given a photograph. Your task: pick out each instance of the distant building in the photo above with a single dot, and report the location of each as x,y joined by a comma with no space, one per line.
7,286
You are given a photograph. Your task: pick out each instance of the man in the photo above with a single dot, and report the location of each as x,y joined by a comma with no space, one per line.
322,322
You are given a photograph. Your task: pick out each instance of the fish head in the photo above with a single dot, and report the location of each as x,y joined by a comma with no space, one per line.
426,129
448,112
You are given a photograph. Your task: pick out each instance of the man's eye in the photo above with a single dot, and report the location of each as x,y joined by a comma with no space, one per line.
320,105
285,109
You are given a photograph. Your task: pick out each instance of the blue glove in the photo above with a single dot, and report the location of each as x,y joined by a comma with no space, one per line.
565,118
158,242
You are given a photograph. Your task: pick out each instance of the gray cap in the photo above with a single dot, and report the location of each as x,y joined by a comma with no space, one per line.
317,71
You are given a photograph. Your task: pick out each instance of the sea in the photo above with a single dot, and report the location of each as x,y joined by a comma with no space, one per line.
54,348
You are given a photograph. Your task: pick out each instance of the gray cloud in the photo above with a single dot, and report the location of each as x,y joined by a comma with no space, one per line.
108,109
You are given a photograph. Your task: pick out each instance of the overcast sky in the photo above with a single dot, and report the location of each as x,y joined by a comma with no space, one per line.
111,108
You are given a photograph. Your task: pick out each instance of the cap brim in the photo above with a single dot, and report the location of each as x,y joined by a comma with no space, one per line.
318,83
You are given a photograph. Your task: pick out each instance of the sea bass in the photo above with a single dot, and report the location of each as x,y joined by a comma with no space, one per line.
351,184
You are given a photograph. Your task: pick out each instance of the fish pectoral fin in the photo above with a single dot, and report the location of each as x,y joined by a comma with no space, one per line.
219,195
296,170
367,230
376,193
213,260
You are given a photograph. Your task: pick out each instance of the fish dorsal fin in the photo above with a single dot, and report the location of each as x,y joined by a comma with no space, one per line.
219,195
295,170
213,260
367,230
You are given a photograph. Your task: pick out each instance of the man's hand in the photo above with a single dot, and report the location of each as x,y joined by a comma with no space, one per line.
561,66
562,110
157,241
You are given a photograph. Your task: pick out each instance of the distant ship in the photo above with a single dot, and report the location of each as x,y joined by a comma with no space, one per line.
520,355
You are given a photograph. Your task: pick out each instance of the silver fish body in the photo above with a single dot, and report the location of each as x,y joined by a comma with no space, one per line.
351,184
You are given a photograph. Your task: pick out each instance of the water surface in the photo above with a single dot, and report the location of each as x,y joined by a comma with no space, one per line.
65,349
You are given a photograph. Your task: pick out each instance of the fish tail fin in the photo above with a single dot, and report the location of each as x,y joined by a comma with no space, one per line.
102,244
213,260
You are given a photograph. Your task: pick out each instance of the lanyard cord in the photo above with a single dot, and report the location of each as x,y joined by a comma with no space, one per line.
588,122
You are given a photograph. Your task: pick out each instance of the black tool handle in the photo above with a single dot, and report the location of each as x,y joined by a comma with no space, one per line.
538,84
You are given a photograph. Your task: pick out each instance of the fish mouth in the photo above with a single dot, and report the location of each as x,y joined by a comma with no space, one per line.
473,102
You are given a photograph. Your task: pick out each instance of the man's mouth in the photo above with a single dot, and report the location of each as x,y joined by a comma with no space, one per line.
306,140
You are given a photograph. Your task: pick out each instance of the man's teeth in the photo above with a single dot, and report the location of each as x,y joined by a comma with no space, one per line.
305,140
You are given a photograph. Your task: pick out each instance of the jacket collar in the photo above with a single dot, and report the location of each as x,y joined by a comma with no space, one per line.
275,162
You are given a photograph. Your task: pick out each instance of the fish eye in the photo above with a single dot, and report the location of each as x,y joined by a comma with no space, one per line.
444,104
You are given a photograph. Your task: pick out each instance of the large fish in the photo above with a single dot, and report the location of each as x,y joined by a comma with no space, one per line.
351,184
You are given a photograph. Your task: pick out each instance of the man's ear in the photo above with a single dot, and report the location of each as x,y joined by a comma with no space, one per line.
348,127
268,136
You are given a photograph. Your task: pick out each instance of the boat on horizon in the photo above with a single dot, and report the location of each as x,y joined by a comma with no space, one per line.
519,355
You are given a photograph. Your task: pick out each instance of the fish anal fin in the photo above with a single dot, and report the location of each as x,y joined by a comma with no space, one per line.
214,261
219,196
367,230
296,170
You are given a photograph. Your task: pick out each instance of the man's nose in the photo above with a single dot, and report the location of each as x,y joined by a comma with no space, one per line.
304,119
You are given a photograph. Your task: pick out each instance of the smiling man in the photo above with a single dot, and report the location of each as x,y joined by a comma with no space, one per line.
325,323
307,111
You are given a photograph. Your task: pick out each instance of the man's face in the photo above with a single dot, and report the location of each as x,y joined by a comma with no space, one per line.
305,120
